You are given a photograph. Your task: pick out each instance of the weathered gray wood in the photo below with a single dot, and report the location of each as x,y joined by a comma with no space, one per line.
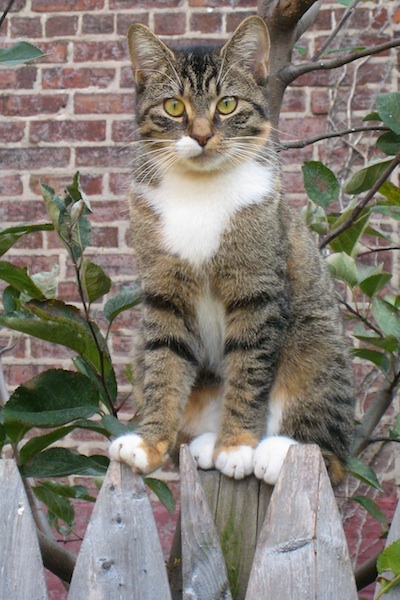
203,567
121,556
393,535
239,509
21,568
302,551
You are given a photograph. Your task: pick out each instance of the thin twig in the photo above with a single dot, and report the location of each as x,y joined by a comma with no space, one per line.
373,250
331,134
292,72
349,12
362,203
359,316
7,10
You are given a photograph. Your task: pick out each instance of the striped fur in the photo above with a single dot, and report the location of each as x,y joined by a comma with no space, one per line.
241,335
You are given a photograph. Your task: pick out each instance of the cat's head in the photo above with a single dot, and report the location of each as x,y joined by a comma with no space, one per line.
200,110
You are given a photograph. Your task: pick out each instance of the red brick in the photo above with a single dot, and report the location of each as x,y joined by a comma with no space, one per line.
169,23
97,24
58,131
210,3
66,5
102,209
31,241
294,101
99,51
34,158
108,157
11,131
63,77
149,4
103,103
61,26
32,105
127,78
233,19
19,351
123,131
15,375
8,78
40,349
11,211
206,22
124,20
56,52
11,185
25,27
104,237
320,103
119,183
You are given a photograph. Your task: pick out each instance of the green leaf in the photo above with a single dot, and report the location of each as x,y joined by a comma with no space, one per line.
40,442
371,507
19,279
389,143
163,492
377,358
19,53
10,299
84,366
321,184
343,267
60,462
96,283
388,343
300,50
364,473
61,324
388,107
386,316
391,192
389,559
364,179
78,492
54,398
115,427
348,240
60,506
127,298
347,48
373,284
372,116
9,236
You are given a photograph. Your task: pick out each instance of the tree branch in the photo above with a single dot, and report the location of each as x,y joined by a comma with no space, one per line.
362,203
6,11
308,19
348,13
373,415
58,560
292,72
366,573
284,14
327,136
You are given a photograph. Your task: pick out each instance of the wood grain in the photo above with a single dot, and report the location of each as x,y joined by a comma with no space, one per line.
21,567
121,556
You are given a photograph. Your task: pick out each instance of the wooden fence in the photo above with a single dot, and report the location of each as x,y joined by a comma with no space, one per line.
235,539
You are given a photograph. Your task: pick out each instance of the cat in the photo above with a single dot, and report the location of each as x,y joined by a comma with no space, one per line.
242,352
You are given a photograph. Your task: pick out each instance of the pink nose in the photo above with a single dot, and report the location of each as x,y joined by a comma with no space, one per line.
201,139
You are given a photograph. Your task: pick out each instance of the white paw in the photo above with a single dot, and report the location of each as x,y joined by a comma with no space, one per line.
236,463
202,450
129,450
269,457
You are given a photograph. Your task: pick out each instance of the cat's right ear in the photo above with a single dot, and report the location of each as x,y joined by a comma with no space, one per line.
147,52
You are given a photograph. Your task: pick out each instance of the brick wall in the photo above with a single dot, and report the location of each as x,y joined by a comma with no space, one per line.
73,110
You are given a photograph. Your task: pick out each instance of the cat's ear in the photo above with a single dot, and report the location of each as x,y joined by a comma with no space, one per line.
147,52
249,46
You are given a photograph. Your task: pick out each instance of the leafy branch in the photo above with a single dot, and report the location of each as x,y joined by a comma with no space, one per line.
326,136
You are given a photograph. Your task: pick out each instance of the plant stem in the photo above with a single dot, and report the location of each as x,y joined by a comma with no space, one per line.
349,12
327,136
393,583
6,11
362,203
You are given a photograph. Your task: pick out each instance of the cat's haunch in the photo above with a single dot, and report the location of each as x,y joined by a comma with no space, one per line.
241,349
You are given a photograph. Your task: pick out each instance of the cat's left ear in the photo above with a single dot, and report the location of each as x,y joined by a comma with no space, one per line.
249,46
147,52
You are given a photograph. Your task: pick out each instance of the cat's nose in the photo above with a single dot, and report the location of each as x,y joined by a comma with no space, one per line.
201,139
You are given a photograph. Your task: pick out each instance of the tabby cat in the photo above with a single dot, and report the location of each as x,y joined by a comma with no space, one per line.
242,352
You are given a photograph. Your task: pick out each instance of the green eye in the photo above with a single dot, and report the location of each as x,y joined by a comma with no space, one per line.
226,105
174,107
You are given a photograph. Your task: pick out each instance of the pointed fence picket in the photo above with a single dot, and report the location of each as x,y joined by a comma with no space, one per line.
240,540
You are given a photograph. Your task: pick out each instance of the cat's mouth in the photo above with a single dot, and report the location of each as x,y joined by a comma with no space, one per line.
197,157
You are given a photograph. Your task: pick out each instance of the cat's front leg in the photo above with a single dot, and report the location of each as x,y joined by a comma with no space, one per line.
166,371
255,333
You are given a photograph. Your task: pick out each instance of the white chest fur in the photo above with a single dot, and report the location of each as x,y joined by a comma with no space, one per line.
195,210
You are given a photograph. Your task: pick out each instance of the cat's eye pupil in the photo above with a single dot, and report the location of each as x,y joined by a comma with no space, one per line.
226,105
174,107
